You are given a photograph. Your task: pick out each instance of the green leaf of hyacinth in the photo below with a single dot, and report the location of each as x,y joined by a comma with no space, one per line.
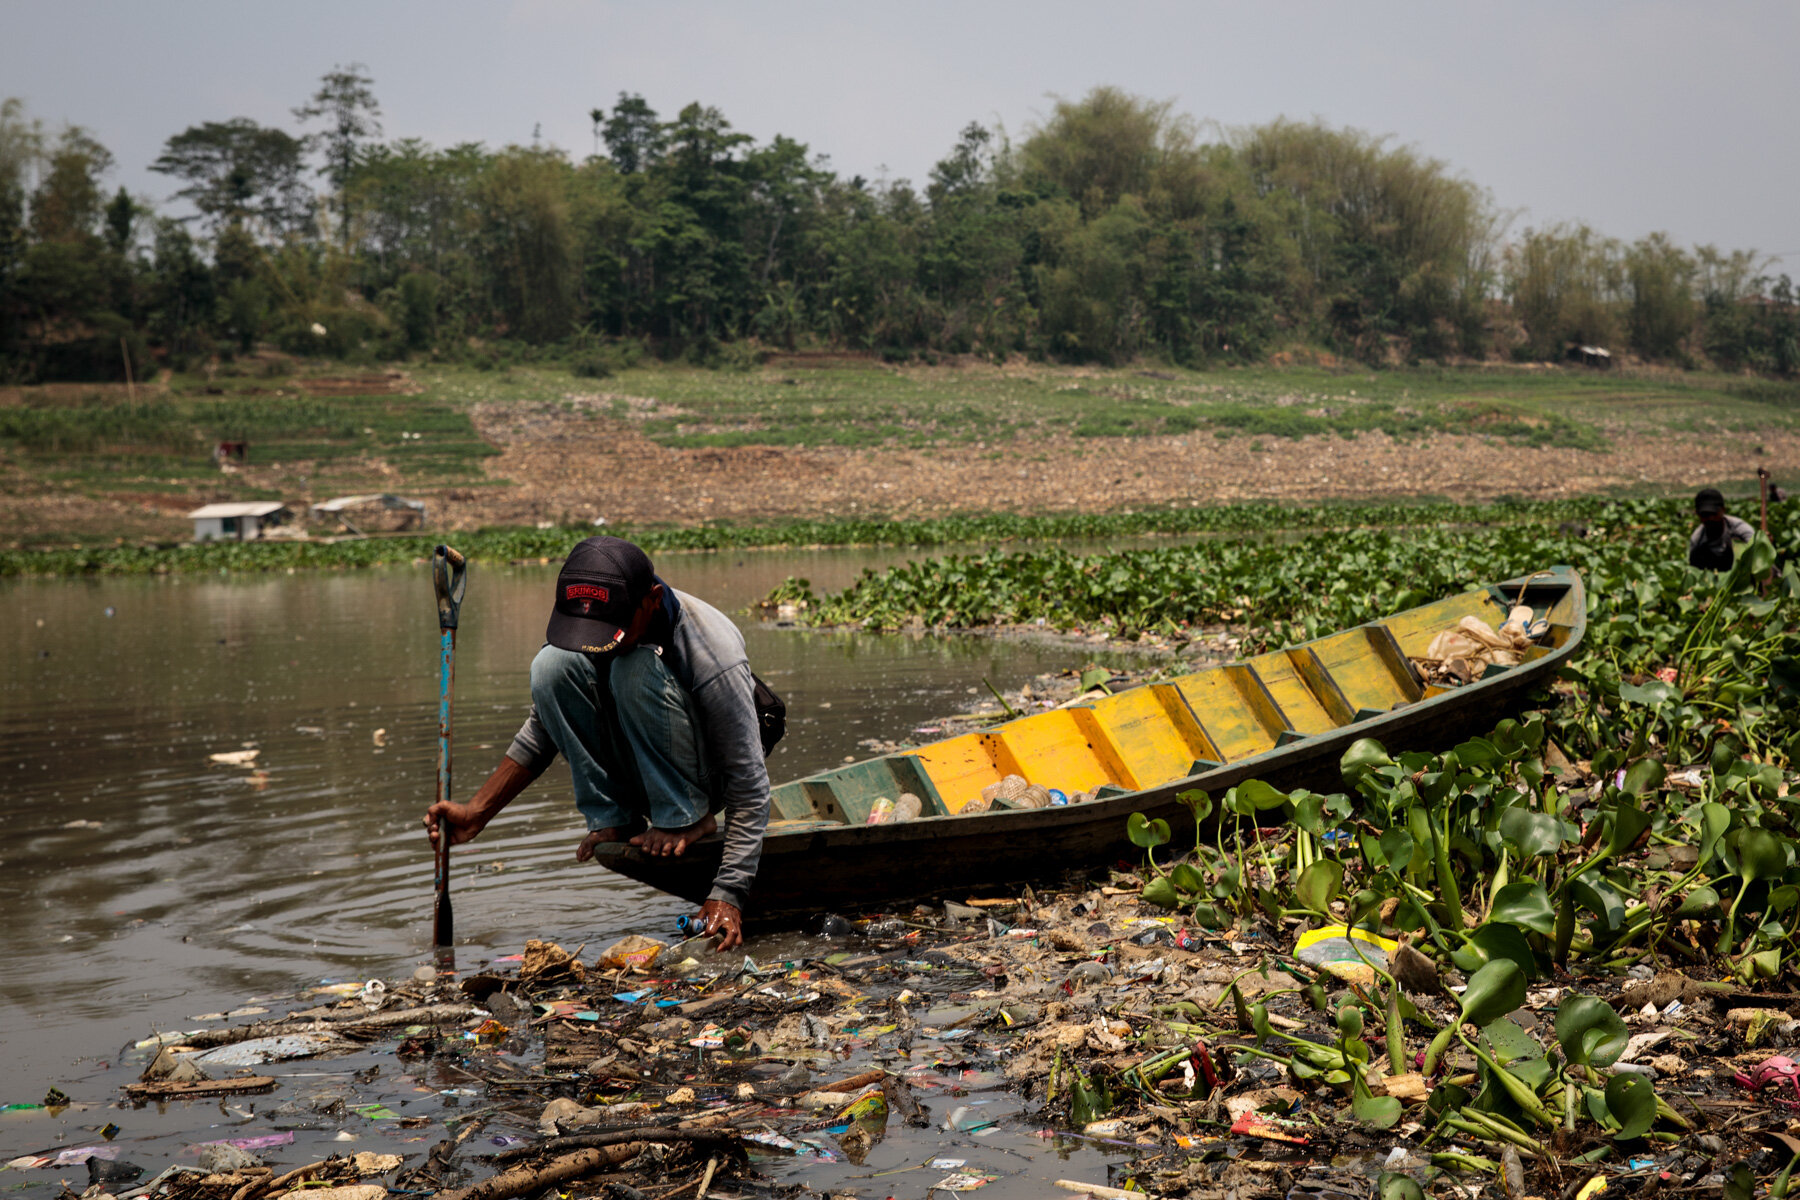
1590,1032
1632,1102
1495,990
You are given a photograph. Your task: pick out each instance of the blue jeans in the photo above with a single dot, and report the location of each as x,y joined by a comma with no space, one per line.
630,734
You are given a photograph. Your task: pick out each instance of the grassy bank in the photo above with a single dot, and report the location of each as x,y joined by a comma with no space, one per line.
84,465
864,402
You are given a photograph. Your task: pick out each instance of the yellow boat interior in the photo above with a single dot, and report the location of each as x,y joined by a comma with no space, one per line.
1161,733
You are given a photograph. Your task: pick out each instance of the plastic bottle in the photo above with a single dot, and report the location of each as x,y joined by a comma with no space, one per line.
908,808
1058,798
881,812
830,925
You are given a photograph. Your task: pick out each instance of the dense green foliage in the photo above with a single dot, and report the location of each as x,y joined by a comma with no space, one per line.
1645,815
505,545
1286,589
1110,231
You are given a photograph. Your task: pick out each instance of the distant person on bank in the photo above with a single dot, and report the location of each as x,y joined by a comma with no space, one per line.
1710,547
647,692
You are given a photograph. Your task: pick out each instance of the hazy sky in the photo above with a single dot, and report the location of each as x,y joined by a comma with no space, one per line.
1632,116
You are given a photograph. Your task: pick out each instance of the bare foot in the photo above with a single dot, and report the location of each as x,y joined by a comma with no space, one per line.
674,841
585,850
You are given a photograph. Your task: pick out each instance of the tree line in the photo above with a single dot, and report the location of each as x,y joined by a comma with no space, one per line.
1111,231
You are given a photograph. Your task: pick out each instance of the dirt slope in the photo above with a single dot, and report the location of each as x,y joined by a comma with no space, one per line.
568,466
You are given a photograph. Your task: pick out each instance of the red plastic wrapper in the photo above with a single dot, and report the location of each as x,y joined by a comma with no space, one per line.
1267,1128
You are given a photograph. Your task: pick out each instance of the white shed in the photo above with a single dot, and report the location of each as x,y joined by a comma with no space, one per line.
238,522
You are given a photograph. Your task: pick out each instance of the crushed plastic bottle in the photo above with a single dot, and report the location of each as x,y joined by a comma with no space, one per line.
967,1120
830,925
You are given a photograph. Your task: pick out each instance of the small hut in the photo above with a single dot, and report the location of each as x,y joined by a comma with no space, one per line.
243,521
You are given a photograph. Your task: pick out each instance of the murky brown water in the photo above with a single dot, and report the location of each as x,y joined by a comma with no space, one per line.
204,885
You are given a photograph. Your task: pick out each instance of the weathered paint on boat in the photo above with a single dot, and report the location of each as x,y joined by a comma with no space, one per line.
1285,717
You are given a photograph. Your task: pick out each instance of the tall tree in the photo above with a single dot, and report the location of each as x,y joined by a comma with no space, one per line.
21,144
67,280
238,172
966,168
418,211
67,204
182,294
1110,144
1564,283
1659,277
119,233
633,135
346,103
526,243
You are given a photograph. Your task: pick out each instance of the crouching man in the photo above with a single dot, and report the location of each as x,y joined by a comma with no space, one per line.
647,692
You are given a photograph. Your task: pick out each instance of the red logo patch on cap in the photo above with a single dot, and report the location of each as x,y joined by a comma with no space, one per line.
585,591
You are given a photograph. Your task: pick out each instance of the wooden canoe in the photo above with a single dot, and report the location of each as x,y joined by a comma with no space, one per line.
1285,717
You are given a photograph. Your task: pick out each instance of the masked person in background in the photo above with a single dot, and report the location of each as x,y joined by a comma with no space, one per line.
1710,547
648,694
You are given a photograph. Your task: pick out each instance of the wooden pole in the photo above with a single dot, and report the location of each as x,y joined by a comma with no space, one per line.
1762,487
130,386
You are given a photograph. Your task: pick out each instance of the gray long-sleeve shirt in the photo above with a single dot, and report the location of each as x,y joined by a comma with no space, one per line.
1717,537
706,653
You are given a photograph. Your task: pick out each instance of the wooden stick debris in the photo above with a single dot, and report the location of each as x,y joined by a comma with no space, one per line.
710,1002
1100,1190
616,1137
855,1082
188,1089
523,1181
259,1187
314,1021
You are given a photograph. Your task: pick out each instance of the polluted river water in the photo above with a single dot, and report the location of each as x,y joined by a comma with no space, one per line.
147,884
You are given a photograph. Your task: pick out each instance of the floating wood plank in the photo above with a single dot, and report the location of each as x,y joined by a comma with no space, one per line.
195,1089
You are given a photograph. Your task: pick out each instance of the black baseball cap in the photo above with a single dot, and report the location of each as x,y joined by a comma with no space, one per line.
598,590
1708,502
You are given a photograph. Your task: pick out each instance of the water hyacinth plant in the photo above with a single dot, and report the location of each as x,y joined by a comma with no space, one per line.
1642,813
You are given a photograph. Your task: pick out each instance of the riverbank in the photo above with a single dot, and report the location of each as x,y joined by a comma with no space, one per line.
858,440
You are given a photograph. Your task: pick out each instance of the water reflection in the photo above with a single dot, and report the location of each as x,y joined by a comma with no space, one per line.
143,882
